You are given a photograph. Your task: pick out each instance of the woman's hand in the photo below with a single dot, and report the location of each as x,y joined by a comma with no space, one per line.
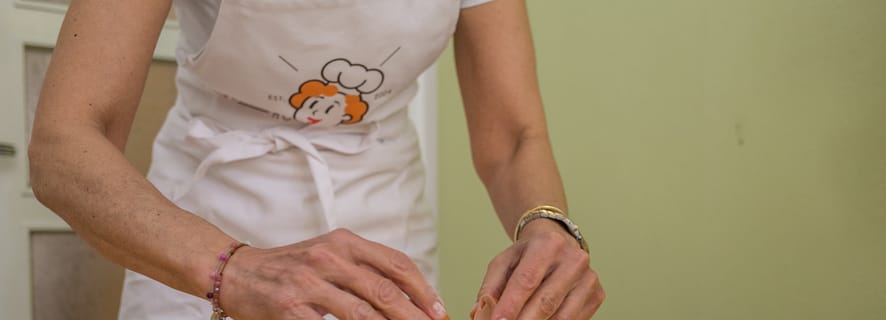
545,275
338,273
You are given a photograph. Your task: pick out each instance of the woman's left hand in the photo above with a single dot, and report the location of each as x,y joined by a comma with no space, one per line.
544,275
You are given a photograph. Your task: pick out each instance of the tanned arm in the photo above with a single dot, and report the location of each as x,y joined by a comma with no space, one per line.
89,98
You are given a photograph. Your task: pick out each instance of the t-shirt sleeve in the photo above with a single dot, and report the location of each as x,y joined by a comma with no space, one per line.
471,3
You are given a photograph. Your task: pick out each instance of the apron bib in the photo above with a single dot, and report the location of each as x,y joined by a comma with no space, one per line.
292,121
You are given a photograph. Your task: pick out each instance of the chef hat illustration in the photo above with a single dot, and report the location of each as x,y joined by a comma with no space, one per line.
352,79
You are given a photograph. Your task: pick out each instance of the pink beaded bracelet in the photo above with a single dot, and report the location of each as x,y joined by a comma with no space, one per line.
214,294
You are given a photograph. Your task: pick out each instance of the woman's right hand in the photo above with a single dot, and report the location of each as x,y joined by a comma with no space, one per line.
338,273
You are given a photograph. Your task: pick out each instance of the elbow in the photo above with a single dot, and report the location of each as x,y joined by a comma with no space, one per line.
37,158
43,163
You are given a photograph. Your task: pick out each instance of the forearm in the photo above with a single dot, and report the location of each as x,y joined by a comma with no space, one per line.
526,179
84,178
509,140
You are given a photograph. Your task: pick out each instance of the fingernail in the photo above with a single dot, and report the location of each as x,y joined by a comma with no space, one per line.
440,310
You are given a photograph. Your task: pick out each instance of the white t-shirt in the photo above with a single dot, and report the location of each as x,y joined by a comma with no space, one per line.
197,17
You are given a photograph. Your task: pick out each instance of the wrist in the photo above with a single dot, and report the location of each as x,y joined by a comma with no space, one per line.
547,226
202,263
239,281
550,214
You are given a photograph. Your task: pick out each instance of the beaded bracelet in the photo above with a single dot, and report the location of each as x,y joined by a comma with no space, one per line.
214,294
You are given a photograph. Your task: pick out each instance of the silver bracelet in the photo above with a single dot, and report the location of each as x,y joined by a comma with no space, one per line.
555,214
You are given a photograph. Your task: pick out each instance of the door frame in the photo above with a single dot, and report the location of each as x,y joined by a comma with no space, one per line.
25,24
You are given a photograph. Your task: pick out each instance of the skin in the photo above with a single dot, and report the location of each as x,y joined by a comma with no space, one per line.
545,275
85,112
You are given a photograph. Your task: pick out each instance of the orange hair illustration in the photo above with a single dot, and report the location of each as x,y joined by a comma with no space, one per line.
354,105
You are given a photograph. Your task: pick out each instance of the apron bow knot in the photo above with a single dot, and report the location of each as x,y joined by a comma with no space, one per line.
237,145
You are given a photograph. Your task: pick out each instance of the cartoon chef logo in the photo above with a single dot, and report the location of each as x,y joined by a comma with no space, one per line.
338,98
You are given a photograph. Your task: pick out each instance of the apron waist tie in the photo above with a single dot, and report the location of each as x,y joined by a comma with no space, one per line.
236,145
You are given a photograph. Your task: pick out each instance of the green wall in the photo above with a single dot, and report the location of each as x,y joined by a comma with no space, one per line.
727,159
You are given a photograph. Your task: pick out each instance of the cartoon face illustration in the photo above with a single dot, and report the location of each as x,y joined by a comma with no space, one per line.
322,105
338,99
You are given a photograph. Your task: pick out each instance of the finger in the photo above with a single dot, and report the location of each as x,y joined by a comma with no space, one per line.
596,301
497,273
547,299
379,291
535,263
583,301
399,268
341,304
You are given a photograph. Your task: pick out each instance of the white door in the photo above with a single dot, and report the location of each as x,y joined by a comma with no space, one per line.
28,30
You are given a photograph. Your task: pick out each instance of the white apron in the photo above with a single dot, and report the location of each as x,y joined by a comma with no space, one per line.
291,121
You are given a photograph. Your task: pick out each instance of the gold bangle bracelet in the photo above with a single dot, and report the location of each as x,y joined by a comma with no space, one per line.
521,222
552,213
